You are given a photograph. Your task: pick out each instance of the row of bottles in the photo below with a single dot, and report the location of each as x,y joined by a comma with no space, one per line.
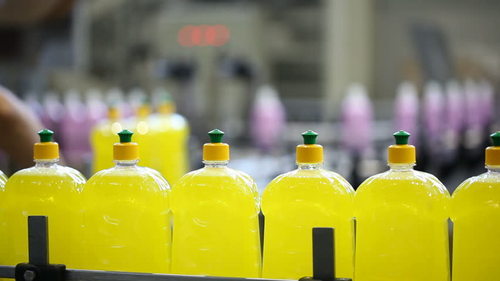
435,111
163,137
163,134
122,217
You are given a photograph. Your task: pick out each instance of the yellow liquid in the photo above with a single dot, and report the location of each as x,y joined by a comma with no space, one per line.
294,203
3,180
216,231
145,135
476,217
170,147
52,191
126,221
401,228
103,136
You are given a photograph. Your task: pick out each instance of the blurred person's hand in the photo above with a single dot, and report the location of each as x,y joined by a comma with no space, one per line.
18,129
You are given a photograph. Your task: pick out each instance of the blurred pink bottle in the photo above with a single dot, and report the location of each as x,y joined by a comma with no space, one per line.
455,106
74,136
406,110
268,118
487,103
96,108
472,105
53,111
34,104
357,120
433,113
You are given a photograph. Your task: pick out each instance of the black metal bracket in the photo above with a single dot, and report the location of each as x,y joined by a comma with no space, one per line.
38,268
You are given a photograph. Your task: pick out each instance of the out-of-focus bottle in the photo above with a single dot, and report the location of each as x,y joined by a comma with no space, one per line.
103,137
406,109
170,148
267,118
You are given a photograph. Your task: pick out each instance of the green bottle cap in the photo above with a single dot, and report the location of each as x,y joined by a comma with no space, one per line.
495,138
45,135
401,137
309,137
216,136
125,136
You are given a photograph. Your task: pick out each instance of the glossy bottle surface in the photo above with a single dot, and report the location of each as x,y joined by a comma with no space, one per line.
126,220
401,227
215,216
294,203
46,189
476,216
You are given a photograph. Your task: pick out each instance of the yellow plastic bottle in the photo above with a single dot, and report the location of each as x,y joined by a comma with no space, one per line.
103,136
145,135
47,189
476,215
171,143
126,216
295,202
401,222
215,215
3,180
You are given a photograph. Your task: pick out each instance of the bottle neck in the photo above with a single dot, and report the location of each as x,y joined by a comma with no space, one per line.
215,164
310,166
493,169
126,163
401,167
46,163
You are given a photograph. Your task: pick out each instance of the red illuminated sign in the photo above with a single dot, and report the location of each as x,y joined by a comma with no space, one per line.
203,35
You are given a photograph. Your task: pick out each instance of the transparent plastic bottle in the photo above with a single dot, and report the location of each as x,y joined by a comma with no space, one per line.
295,202
401,222
215,216
476,216
126,216
46,189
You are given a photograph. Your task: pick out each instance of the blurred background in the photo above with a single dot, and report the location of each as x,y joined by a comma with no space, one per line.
264,71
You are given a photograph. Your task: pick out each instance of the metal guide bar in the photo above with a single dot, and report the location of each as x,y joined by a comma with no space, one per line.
323,260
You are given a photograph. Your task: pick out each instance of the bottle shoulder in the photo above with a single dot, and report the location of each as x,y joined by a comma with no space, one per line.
216,177
484,183
56,171
317,179
132,175
393,181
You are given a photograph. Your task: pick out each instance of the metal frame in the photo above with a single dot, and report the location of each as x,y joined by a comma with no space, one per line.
323,262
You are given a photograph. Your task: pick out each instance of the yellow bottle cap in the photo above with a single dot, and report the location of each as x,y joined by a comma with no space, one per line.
309,152
401,152
143,111
166,108
492,153
126,149
216,150
113,113
46,149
